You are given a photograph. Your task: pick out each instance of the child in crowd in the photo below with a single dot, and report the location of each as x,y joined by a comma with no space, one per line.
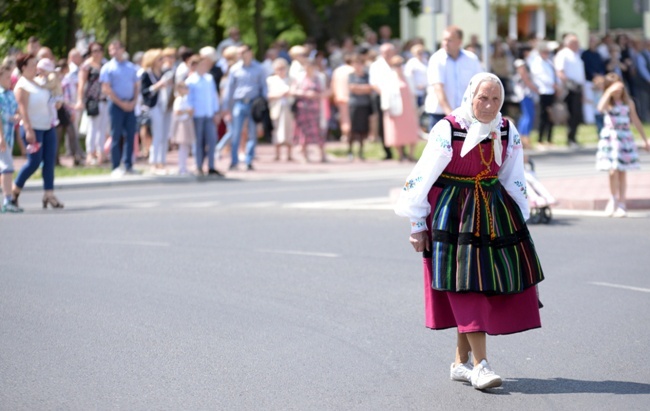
49,79
598,84
617,151
8,118
183,131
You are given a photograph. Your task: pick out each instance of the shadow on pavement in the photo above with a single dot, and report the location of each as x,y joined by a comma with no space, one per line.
569,386
555,221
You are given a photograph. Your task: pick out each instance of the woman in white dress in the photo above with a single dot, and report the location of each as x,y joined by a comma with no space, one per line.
280,103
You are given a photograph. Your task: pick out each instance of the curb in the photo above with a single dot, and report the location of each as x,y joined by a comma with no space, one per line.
108,181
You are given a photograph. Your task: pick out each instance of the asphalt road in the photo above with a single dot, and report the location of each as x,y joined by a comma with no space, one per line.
296,294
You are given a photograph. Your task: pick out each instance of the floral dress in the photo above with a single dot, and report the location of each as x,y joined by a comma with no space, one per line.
616,147
308,113
482,265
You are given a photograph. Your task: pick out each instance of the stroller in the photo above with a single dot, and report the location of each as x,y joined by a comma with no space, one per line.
539,198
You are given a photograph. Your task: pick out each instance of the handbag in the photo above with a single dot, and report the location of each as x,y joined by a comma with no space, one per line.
558,112
92,106
259,109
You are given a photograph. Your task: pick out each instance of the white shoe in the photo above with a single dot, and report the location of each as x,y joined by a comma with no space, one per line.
620,212
117,173
484,377
461,372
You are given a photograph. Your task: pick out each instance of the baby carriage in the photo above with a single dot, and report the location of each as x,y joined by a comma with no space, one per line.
539,198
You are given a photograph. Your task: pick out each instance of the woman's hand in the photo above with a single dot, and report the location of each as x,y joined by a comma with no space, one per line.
618,86
420,241
30,136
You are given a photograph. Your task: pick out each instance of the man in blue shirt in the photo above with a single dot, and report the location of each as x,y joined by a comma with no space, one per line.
203,98
594,65
120,84
642,80
246,81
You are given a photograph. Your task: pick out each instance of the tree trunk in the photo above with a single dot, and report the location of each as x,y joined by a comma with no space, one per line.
259,29
217,29
124,30
308,17
337,22
71,25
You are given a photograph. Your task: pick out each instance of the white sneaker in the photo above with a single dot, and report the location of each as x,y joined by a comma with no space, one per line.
461,372
117,173
620,212
484,377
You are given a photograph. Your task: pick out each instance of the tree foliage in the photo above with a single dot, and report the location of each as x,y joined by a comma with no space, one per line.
143,24
46,19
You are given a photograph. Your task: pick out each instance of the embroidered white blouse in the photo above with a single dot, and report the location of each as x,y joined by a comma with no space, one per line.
413,202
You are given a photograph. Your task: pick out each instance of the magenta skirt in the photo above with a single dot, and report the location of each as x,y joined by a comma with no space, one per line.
475,312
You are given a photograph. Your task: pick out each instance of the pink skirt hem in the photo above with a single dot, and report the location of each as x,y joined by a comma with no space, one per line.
475,312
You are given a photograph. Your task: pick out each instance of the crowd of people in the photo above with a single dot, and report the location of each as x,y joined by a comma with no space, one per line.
201,102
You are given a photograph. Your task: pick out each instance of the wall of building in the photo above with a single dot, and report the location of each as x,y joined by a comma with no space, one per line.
570,22
470,20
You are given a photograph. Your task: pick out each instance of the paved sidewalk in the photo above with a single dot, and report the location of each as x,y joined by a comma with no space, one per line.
589,190
571,177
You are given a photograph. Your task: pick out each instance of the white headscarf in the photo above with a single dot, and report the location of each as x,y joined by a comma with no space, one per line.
477,131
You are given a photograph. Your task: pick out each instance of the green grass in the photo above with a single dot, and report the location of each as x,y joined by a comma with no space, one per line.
60,171
372,151
586,135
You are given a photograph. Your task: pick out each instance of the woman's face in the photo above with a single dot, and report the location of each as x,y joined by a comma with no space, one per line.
97,53
29,70
281,70
157,64
5,79
487,101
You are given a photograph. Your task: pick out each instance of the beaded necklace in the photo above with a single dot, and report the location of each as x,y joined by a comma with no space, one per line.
487,163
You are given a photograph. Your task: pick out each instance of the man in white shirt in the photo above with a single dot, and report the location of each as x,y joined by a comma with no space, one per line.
543,74
449,72
571,71
378,72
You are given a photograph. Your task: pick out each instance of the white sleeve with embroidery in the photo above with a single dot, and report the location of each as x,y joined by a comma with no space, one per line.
412,201
511,174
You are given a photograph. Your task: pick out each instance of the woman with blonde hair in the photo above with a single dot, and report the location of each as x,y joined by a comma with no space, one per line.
617,151
308,91
154,106
401,128
280,103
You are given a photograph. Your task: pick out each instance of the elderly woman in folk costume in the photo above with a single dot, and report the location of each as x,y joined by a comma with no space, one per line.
466,199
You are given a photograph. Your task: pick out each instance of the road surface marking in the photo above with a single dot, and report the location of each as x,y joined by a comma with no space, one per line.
140,243
625,287
593,213
373,203
305,253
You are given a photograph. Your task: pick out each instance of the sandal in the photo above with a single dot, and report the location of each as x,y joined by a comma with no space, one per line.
52,201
